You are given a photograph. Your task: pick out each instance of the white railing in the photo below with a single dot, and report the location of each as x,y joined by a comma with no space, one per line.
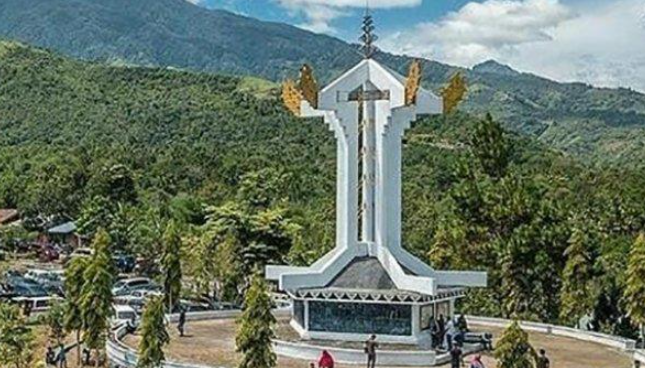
639,356
121,355
617,342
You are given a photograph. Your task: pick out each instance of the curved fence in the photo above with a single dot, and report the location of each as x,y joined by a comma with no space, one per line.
121,355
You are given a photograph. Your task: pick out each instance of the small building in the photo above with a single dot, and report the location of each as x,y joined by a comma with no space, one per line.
369,284
63,234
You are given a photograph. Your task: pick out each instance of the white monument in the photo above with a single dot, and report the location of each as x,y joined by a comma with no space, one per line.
369,284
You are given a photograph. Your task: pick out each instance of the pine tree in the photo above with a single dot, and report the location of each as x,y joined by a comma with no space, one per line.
577,294
634,296
255,327
56,322
153,334
171,266
513,349
16,339
96,299
491,147
74,281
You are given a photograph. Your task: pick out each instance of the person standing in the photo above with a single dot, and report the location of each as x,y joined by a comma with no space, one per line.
455,356
62,357
370,349
181,325
326,360
477,362
50,356
542,360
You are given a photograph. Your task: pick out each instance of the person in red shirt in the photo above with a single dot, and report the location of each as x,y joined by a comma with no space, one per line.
326,360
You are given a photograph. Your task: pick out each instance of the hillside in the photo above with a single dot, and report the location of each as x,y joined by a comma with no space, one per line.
129,149
601,125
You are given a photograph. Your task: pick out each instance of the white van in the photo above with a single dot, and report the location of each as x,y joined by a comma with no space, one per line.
123,314
39,304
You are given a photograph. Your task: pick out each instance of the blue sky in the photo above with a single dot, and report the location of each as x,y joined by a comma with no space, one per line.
601,42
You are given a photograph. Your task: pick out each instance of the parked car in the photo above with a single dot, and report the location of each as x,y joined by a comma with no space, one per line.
80,252
24,287
137,299
48,253
39,304
124,263
123,314
127,286
192,306
51,280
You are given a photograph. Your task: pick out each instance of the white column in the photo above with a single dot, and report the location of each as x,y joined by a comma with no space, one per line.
347,175
369,168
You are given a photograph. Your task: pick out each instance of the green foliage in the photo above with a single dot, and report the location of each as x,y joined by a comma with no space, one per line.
596,123
255,327
96,296
74,282
73,312
491,148
130,149
635,283
56,323
171,266
16,339
243,237
578,295
513,349
153,334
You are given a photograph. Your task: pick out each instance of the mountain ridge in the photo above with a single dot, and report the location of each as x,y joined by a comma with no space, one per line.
177,34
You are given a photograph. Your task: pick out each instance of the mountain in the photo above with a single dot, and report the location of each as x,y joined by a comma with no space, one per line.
601,125
493,67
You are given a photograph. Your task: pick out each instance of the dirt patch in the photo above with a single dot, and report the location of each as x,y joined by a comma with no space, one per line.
213,343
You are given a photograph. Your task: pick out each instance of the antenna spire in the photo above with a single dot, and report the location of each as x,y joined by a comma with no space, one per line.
368,38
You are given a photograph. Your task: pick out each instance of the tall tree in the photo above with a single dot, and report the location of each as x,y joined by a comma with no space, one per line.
171,266
56,322
513,349
96,299
491,147
74,282
635,285
578,294
255,327
153,334
16,339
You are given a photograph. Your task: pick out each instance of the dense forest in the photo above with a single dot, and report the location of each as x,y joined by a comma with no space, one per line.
129,149
594,124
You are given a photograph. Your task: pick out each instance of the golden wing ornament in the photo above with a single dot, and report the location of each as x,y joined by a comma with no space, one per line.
309,86
413,83
291,97
454,93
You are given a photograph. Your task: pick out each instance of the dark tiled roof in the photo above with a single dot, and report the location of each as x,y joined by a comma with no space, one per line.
364,273
8,215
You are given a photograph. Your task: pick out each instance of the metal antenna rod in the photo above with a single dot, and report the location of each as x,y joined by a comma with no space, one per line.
368,38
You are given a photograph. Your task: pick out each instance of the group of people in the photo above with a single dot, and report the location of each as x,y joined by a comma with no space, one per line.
446,333
456,359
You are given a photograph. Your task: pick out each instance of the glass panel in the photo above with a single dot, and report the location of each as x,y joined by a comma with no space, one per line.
299,312
427,315
363,318
443,309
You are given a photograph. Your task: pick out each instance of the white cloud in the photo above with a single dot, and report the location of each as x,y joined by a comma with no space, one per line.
602,44
321,13
196,2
